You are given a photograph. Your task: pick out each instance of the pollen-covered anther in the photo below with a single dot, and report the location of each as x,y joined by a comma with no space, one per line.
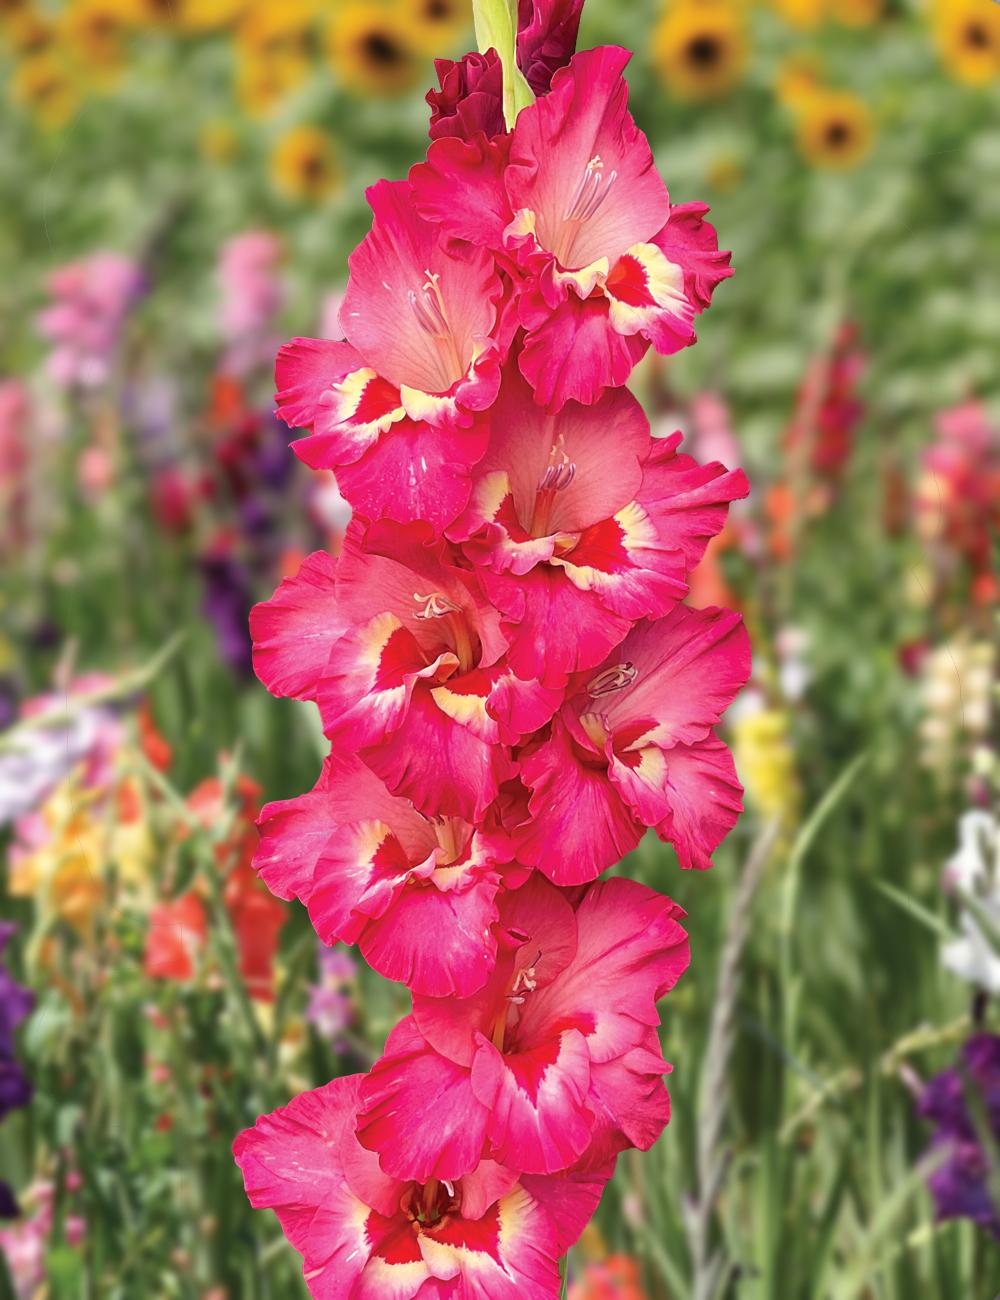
436,605
612,679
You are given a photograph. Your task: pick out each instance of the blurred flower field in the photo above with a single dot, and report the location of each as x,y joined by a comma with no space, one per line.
181,183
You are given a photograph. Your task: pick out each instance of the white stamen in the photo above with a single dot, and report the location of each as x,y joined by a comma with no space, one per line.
436,605
611,680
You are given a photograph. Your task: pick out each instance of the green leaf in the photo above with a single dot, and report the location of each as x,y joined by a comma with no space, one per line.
915,909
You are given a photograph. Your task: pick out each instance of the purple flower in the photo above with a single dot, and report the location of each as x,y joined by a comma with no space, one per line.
960,1186
227,606
15,1003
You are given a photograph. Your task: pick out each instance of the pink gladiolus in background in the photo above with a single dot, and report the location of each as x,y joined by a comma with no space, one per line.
331,1000
252,296
92,300
511,685
14,406
958,492
25,1242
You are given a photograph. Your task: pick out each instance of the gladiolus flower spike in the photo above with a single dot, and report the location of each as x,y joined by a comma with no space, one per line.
512,686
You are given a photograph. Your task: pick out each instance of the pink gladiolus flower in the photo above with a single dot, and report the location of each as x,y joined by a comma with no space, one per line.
14,405
419,315
634,747
92,299
393,409
581,523
555,1058
387,464
366,1236
416,894
607,265
404,657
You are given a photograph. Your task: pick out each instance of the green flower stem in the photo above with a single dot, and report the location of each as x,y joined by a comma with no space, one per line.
496,29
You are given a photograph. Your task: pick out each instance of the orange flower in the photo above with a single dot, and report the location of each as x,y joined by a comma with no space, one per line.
175,938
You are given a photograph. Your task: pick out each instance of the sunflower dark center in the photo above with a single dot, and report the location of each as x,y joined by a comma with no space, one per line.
705,51
379,48
437,11
977,36
838,134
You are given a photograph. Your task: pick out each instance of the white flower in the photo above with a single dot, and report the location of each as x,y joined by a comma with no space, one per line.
974,871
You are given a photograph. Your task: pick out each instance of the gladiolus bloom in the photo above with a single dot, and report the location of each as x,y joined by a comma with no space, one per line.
557,1056
635,747
375,872
362,1234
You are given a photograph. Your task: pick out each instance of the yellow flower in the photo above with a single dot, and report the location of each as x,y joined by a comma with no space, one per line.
304,163
261,81
273,43
799,77
804,14
700,48
65,874
45,86
219,142
370,50
967,33
199,16
835,130
153,13
96,30
434,25
27,32
856,13
765,762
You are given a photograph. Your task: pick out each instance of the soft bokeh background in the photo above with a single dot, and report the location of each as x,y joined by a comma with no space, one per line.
181,182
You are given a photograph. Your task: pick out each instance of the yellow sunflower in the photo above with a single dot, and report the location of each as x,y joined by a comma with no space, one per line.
304,164
280,31
47,88
273,44
27,32
700,48
261,81
856,13
197,16
967,33
96,30
804,14
835,130
434,25
370,50
799,77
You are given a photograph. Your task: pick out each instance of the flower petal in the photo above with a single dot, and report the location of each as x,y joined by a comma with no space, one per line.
579,824
418,1111
539,1121
295,631
583,127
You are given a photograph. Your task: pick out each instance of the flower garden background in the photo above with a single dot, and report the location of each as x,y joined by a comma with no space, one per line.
182,184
